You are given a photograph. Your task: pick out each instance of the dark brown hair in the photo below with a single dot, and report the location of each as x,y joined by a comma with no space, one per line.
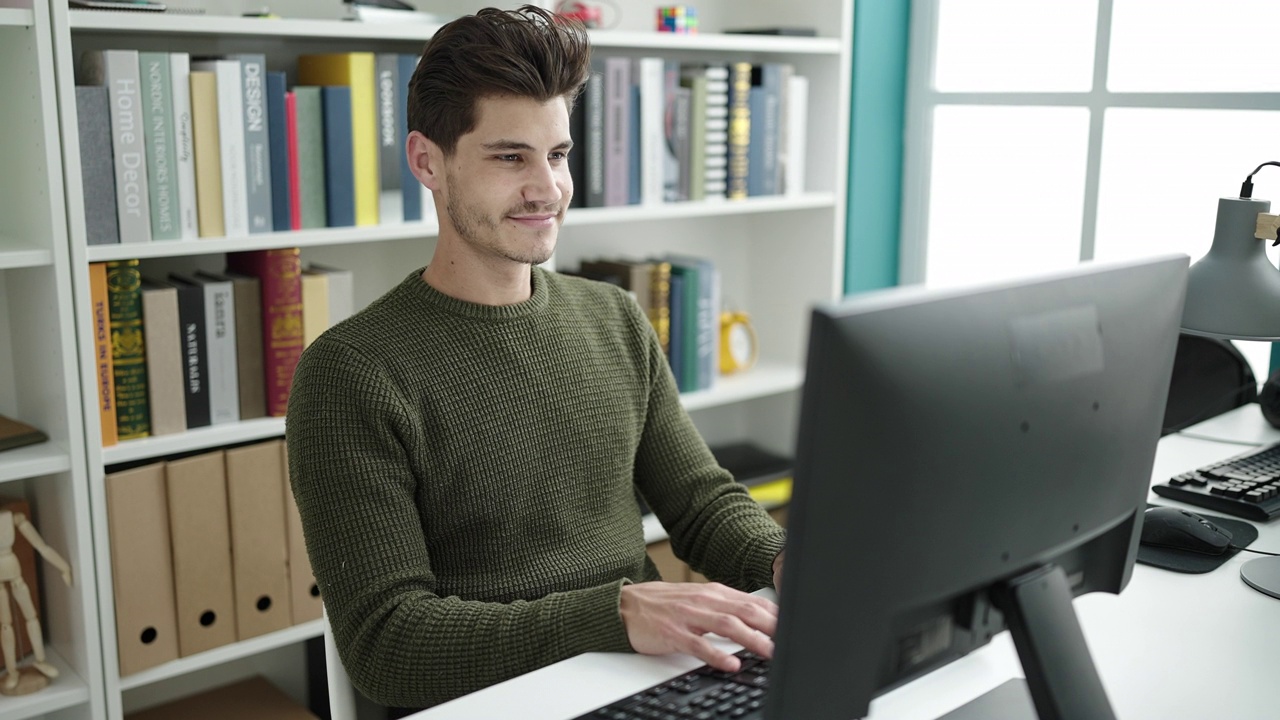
526,53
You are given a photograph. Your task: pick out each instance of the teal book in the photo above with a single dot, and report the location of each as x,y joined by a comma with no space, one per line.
311,160
162,161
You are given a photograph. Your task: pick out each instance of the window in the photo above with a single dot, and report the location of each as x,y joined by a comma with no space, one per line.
1044,133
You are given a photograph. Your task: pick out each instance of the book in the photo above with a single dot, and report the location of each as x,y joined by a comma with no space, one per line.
716,172
157,112
118,70
355,71
280,272
97,168
231,141
184,144
278,144
660,303
207,153
341,292
635,278
651,84
768,82
410,188
194,353
676,346
340,193
739,129
593,139
103,370
16,434
315,305
250,376
220,342
165,368
796,134
704,315
291,148
257,142
675,132
617,131
390,140
128,350
695,80
312,175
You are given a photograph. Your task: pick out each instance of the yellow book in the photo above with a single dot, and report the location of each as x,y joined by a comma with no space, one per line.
204,129
315,305
356,71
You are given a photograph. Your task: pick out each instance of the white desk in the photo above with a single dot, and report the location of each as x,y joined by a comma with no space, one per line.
1171,646
1244,425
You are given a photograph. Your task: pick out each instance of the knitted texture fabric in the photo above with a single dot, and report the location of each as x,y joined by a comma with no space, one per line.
466,478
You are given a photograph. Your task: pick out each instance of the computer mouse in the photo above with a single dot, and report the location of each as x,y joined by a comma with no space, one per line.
1177,529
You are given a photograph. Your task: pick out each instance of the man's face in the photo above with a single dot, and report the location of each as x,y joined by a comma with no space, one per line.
507,184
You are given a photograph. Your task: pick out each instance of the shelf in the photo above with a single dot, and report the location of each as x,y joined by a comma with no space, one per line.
198,439
46,458
10,259
135,23
224,654
65,691
404,231
16,17
761,381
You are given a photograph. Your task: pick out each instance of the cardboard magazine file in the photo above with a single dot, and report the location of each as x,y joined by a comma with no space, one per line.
141,568
304,593
251,699
201,552
259,556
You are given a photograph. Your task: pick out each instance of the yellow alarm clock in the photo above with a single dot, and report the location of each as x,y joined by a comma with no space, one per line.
738,346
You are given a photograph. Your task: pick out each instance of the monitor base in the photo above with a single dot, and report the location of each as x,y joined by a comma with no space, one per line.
1008,701
1263,575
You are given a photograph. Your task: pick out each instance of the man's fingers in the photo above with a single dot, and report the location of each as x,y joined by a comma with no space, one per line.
734,628
708,653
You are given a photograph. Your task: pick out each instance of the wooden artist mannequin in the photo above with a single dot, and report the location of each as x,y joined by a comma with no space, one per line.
11,577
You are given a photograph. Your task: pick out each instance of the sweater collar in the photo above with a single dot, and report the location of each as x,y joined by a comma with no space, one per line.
539,279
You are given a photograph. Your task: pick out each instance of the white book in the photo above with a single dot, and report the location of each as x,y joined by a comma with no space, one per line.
653,138
118,70
235,194
180,74
796,140
220,339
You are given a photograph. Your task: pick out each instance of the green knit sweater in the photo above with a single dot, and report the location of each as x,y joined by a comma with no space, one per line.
465,475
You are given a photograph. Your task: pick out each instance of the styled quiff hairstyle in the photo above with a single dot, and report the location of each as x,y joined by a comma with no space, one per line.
526,53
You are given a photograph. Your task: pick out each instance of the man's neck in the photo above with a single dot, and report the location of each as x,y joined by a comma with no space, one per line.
480,280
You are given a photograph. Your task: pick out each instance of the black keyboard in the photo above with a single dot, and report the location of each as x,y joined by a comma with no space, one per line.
701,694
1246,485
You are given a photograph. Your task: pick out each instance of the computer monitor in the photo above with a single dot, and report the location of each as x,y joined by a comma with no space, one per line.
969,460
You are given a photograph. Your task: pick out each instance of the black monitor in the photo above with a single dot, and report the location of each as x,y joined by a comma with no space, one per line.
970,460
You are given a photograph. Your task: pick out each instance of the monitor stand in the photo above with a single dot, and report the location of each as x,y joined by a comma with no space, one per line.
1010,701
1263,575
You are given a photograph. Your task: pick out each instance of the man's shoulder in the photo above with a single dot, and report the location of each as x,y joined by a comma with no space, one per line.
580,290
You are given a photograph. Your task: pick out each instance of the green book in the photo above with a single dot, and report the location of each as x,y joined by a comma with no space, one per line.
311,164
162,160
128,353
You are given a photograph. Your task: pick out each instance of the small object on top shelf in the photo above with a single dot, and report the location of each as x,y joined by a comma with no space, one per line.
785,31
589,14
142,5
390,11
11,583
16,434
679,19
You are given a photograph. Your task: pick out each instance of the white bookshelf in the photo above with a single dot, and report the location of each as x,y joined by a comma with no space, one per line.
777,256
17,17
33,461
70,694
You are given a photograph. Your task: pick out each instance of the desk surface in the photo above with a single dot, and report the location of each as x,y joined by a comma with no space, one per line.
1170,646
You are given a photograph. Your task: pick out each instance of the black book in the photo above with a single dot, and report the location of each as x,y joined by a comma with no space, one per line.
195,351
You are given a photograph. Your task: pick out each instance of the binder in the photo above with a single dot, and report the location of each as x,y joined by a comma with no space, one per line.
304,593
141,568
201,552
259,563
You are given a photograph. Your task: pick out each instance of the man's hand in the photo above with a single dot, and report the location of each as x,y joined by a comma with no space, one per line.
663,618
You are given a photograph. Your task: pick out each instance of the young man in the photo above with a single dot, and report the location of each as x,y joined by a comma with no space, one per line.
465,451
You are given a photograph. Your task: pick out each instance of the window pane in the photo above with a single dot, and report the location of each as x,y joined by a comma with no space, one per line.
1193,46
1006,191
1011,45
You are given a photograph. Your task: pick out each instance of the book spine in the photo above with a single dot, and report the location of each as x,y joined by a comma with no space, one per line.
220,338
127,141
97,170
315,305
635,158
278,145
697,160
164,358
183,145
207,154
195,387
680,142
364,137
312,167
672,122
652,145
162,186
739,129
409,185
231,143
104,370
340,195
676,350
577,158
257,143
280,272
716,171
594,150
128,349
291,143
797,128
660,304
390,194
249,370
617,130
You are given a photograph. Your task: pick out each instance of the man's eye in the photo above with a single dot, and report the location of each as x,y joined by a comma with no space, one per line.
559,155
509,158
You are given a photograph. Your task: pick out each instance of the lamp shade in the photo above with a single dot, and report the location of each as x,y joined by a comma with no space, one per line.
1233,292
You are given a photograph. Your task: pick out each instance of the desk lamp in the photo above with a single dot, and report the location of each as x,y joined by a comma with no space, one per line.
1233,292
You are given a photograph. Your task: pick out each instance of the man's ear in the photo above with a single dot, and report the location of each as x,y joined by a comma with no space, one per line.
426,160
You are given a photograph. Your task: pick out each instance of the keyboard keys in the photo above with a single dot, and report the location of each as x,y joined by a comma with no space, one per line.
1246,486
703,694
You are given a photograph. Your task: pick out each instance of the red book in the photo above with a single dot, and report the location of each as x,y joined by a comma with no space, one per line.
280,273
291,141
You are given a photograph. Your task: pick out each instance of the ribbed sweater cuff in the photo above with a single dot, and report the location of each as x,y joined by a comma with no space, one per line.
762,555
592,621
